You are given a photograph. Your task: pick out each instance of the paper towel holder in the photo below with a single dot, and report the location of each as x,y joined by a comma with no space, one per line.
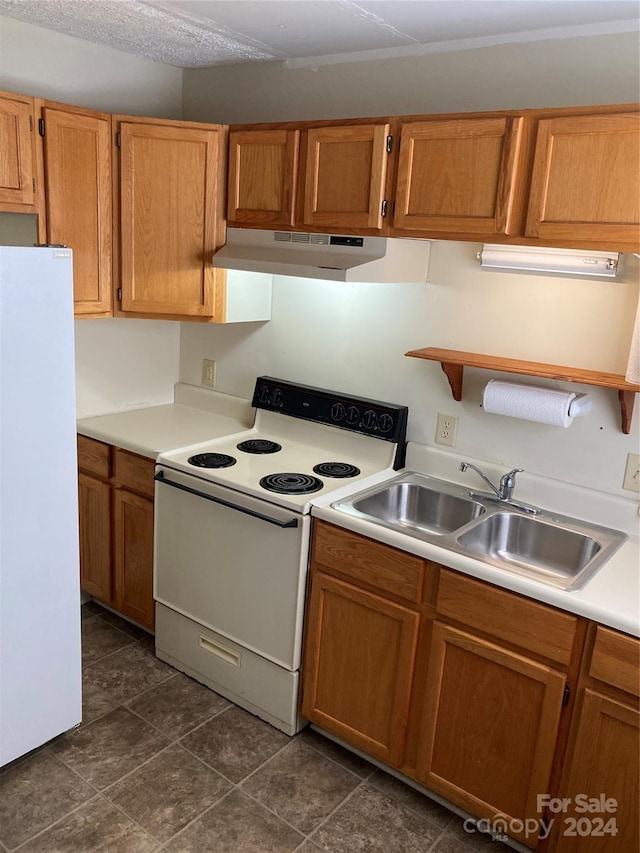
453,363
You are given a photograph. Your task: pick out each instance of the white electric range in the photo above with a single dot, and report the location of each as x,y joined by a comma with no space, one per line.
232,537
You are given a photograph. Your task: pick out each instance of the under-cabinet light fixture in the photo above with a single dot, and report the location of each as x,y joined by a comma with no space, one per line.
550,261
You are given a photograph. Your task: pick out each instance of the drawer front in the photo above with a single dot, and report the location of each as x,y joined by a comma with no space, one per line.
134,472
616,660
505,615
94,457
379,566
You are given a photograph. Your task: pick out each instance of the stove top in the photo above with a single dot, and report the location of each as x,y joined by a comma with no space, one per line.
304,443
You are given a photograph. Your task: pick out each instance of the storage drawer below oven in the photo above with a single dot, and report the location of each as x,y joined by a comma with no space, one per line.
263,688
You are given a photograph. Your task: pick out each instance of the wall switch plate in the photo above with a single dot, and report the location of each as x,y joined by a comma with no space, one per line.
446,428
208,372
632,473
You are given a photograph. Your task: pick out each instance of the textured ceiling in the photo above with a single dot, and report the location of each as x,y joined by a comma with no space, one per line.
190,33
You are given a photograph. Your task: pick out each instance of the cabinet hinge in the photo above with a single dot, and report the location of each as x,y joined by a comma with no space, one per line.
119,294
383,210
31,123
118,139
41,126
565,696
389,143
34,184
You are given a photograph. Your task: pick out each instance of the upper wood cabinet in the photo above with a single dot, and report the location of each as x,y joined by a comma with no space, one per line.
17,160
345,170
459,175
263,171
170,216
76,148
328,178
586,180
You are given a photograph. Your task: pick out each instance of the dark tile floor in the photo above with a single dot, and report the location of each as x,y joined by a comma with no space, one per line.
162,763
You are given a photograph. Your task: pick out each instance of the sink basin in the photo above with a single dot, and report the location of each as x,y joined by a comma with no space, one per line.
416,505
558,550
521,542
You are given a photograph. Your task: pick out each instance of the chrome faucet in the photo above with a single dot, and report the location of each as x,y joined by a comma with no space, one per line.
503,492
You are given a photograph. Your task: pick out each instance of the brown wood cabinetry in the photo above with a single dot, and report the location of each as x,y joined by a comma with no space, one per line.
459,175
76,149
586,180
263,173
604,750
494,698
170,216
116,528
489,699
324,177
563,177
345,170
17,154
362,633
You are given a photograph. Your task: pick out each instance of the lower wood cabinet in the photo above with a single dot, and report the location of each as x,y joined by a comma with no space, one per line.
492,700
599,789
116,528
360,654
489,731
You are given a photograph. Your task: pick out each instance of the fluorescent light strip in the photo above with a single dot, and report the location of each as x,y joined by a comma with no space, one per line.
551,261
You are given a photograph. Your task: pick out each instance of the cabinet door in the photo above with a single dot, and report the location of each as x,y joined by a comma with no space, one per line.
490,724
263,168
77,157
168,178
604,760
358,667
458,176
345,172
94,505
17,192
586,180
134,557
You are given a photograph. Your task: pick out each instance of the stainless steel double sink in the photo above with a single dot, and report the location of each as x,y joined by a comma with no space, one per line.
557,550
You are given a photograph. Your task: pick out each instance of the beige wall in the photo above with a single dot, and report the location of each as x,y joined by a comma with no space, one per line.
593,70
40,62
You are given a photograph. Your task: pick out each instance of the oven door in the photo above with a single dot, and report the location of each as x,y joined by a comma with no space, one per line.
231,562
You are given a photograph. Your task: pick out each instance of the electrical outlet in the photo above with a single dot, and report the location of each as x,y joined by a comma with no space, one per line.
208,372
446,430
632,473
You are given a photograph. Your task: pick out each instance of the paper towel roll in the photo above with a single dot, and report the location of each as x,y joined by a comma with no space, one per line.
543,405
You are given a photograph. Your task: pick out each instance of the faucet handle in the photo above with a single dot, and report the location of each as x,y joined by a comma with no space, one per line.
512,474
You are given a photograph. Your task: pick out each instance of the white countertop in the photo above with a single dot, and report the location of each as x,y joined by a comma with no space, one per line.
196,415
611,597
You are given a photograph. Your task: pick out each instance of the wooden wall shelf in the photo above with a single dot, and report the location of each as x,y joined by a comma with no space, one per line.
453,363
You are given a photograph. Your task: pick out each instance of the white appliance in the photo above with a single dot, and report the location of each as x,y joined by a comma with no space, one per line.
40,668
335,257
232,534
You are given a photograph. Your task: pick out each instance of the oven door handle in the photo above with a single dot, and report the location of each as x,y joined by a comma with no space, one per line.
293,522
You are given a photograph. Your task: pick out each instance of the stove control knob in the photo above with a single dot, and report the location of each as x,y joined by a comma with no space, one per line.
353,415
263,393
276,397
385,423
369,419
338,412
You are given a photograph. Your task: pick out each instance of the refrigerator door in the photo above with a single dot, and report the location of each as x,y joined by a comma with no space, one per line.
40,668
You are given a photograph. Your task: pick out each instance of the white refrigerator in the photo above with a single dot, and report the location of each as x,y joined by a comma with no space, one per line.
40,666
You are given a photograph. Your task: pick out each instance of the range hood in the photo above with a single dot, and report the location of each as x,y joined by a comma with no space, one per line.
333,257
